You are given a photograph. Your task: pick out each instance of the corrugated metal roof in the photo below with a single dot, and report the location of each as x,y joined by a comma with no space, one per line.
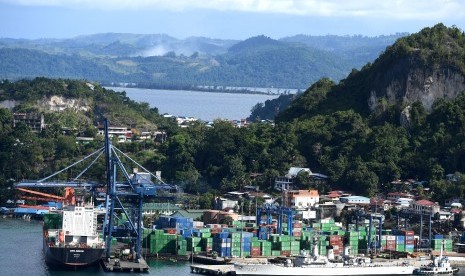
294,171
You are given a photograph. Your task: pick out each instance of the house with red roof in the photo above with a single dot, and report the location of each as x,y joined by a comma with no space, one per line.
425,207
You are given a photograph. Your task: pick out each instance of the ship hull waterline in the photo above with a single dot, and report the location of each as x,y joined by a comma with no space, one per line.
274,270
72,257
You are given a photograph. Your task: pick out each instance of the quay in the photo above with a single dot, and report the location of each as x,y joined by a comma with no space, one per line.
213,269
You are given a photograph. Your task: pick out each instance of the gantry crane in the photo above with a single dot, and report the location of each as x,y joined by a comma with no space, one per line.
270,210
125,192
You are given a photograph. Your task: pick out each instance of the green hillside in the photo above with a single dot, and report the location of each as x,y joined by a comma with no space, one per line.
161,61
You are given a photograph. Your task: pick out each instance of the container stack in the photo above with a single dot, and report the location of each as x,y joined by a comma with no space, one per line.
265,248
323,244
255,249
390,242
409,241
222,244
162,242
336,243
439,241
182,246
193,244
400,243
352,238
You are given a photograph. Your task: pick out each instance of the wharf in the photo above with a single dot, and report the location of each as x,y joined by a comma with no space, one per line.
213,269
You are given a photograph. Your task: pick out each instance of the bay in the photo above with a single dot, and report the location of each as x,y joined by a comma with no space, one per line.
22,254
206,106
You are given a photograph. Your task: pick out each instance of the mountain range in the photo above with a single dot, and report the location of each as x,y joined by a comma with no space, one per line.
162,61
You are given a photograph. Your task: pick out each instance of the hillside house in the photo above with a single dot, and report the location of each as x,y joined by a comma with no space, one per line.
121,133
287,182
34,120
394,196
358,200
425,207
300,199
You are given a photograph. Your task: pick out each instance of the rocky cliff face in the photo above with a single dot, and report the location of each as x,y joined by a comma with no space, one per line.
59,103
407,82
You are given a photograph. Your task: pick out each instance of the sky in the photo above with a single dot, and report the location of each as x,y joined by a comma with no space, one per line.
224,19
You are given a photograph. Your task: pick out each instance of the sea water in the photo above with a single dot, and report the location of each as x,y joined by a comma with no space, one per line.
206,106
21,254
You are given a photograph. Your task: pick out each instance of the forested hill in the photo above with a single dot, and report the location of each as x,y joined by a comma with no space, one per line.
161,61
421,67
400,117
83,105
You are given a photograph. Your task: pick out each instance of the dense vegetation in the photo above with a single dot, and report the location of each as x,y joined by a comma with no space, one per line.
360,151
159,61
431,48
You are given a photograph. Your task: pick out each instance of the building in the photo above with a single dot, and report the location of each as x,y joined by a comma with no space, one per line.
287,182
34,120
162,209
121,133
403,202
195,214
301,199
333,196
425,207
394,196
223,203
355,200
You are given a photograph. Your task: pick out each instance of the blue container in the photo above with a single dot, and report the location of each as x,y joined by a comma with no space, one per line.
223,235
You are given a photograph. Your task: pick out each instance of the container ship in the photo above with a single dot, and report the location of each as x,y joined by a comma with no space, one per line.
71,238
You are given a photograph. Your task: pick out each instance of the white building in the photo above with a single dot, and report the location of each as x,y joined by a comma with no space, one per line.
355,200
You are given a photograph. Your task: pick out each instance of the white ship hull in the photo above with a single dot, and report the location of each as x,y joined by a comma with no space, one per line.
275,270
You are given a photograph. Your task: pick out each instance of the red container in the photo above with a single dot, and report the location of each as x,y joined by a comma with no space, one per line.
410,242
391,242
296,234
390,247
255,252
409,233
170,230
335,242
335,238
285,253
297,225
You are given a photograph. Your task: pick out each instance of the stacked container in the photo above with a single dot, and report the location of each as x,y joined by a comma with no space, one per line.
335,242
161,242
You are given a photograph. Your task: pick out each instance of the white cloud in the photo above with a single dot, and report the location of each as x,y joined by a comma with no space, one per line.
395,9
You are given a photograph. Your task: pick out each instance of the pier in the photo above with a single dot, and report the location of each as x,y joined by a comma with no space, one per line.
213,269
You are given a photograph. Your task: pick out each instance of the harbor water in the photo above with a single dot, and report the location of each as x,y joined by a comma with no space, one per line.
22,254
205,106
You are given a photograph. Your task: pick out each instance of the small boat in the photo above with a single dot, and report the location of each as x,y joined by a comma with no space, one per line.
439,266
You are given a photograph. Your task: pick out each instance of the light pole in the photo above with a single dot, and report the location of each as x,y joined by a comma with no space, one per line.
242,226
